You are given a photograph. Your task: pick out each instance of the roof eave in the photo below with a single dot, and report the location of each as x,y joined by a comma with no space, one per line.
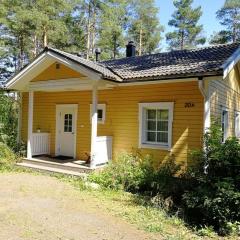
84,65
176,76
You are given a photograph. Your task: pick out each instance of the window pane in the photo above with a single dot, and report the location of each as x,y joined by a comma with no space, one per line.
151,125
151,136
68,123
151,114
100,114
162,137
162,114
162,126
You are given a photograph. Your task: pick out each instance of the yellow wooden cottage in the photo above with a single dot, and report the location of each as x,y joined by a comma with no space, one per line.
160,103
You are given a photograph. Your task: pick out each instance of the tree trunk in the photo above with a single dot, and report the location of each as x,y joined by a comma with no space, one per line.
140,42
45,40
182,40
234,33
35,46
114,46
88,31
21,53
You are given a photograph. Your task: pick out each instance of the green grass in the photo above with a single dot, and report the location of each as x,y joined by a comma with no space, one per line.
134,209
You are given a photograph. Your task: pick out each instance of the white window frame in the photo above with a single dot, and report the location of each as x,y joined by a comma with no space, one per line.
102,107
237,124
142,119
226,124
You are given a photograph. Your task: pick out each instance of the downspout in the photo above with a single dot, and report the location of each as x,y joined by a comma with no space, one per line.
206,117
206,114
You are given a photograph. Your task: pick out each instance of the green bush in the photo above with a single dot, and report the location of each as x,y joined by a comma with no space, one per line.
135,173
7,157
9,108
208,194
129,172
214,199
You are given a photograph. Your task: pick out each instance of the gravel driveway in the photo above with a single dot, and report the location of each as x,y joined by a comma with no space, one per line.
42,207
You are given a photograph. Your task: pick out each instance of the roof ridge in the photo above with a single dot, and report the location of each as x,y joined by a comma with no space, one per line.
174,51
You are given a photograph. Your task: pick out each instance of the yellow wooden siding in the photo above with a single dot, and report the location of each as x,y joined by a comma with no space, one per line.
52,73
122,116
225,94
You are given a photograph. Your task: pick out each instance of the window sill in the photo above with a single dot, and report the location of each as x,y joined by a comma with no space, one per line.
155,146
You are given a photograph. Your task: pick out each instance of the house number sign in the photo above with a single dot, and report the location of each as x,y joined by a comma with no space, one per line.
189,105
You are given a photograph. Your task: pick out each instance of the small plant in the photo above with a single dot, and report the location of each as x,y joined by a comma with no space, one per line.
206,232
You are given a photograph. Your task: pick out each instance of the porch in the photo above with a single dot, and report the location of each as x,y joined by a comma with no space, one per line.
49,164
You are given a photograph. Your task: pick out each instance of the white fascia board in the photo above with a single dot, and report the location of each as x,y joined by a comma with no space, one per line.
77,67
150,82
70,84
23,78
231,62
25,71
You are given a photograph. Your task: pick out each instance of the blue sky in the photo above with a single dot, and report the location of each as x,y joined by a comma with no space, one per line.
208,19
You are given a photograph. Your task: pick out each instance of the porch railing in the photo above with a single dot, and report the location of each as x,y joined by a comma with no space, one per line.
103,150
40,143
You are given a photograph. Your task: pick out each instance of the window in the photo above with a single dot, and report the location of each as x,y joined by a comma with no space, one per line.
155,125
101,109
68,123
224,125
237,124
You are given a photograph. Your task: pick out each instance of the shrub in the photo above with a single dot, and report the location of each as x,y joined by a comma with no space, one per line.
9,108
214,199
135,173
7,157
129,172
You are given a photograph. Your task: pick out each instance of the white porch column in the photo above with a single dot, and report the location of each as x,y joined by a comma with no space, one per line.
30,124
19,137
94,120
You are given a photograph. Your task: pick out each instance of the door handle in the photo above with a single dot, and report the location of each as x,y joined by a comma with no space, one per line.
73,132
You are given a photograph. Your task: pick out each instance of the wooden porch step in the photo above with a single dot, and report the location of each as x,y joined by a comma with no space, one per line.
52,170
65,168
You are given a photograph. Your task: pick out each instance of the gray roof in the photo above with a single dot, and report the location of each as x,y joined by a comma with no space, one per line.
104,71
175,64
199,62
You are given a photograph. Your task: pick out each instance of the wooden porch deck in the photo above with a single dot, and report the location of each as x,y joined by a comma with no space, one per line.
54,165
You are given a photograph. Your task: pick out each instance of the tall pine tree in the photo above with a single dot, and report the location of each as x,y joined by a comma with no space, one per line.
187,33
229,17
113,23
144,27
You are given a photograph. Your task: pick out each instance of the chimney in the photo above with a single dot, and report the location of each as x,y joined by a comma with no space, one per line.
97,53
130,49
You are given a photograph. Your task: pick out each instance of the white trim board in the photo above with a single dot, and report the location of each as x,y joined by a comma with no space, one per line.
70,84
58,107
42,62
157,82
231,62
100,106
160,105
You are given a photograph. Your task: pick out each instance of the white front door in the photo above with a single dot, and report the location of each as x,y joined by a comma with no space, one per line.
66,118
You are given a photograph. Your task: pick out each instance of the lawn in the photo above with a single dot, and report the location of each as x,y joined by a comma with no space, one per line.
39,206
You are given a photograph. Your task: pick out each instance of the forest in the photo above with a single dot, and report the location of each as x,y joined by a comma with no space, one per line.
81,26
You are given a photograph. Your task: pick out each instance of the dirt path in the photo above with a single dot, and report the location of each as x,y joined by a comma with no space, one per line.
41,207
